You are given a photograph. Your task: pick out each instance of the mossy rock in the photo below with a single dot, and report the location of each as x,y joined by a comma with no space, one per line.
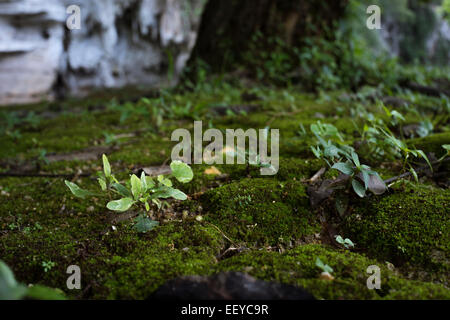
297,266
409,226
261,211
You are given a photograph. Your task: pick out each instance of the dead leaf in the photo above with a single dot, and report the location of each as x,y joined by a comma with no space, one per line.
212,171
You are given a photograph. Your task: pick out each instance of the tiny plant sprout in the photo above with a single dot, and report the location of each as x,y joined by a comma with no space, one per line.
142,193
323,266
326,270
347,243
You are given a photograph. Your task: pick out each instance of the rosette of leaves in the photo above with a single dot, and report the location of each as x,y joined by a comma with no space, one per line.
361,176
142,192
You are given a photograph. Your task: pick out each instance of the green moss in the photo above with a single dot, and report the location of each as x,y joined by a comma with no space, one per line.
261,210
410,226
172,250
297,266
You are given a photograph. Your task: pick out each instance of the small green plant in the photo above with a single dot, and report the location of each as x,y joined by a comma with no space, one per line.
143,193
48,265
344,159
324,267
42,157
347,243
357,171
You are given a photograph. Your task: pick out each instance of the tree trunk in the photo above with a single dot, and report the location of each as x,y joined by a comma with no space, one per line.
228,25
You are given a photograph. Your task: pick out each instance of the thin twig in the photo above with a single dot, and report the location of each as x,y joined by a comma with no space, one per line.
409,173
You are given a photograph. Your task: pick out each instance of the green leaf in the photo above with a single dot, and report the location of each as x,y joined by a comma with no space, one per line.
143,182
123,191
9,288
120,205
348,243
144,224
136,186
340,240
181,171
345,168
106,166
167,192
317,152
165,181
356,159
423,155
324,267
446,147
179,195
414,173
150,183
366,178
76,190
397,114
39,292
359,188
102,183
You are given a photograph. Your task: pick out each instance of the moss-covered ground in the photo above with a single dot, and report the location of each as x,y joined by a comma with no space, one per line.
237,220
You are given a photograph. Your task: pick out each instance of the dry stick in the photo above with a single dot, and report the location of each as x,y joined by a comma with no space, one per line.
223,234
407,174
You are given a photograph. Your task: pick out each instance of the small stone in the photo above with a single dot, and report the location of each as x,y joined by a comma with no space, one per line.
90,209
390,266
326,276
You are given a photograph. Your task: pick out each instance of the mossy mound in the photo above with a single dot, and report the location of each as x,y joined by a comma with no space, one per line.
408,226
171,250
261,211
297,266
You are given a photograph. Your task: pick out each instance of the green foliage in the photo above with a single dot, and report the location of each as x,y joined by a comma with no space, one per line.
10,289
334,152
347,243
48,265
142,192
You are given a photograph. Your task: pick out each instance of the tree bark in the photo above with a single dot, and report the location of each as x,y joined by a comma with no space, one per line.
228,26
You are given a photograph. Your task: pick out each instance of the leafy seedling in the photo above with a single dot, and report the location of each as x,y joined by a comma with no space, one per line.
347,243
324,267
141,192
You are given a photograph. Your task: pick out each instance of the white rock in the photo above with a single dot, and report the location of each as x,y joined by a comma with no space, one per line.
121,42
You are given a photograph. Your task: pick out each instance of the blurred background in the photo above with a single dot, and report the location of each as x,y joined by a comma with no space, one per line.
149,43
